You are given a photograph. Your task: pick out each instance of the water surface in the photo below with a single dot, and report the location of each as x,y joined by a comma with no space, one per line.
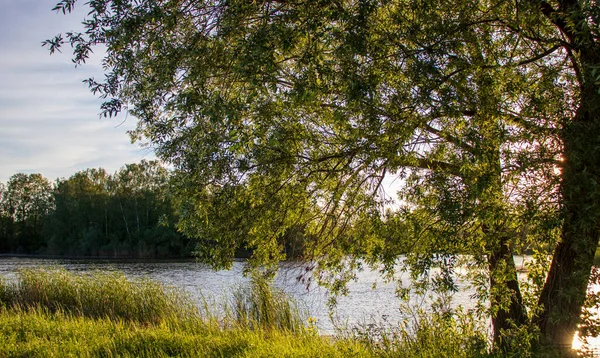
363,305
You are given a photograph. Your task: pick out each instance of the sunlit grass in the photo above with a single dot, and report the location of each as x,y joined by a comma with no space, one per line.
39,333
55,313
98,295
260,305
46,313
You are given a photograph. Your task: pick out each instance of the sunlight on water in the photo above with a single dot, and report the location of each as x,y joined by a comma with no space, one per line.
577,343
593,344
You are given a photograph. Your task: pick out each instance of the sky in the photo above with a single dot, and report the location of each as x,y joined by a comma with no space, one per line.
49,121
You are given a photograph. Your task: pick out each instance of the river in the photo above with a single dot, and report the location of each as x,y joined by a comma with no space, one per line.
363,305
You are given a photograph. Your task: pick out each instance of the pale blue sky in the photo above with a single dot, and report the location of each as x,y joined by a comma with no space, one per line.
49,120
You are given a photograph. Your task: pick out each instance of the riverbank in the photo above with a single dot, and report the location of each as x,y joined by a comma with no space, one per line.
239,255
58,313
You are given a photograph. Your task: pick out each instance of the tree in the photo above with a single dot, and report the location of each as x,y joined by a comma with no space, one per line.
5,222
293,112
144,207
27,200
80,222
126,214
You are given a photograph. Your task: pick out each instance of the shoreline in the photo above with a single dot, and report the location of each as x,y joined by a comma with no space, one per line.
100,258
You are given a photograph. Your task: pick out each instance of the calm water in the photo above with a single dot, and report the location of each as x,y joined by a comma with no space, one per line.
363,305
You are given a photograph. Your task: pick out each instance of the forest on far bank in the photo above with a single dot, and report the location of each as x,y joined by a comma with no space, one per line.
126,214
92,213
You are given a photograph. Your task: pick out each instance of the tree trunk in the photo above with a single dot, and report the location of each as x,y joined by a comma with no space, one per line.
506,302
137,214
125,221
503,275
566,285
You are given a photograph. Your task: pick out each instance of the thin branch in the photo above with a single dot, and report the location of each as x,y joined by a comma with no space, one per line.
448,137
539,56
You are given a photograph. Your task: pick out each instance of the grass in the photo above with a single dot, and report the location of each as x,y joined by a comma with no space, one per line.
260,305
426,335
97,295
55,313
39,333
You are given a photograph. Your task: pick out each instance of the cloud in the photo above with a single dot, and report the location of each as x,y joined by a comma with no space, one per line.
48,118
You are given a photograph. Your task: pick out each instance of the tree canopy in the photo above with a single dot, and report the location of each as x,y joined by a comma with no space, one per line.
290,114
92,213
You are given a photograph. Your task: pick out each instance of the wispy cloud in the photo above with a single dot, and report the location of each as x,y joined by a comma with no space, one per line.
48,119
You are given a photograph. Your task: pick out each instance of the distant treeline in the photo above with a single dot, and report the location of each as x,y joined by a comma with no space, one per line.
92,213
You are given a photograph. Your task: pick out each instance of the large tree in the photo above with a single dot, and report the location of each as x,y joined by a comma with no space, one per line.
278,114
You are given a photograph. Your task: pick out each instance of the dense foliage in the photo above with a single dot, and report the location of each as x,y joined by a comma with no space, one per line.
279,115
92,213
128,214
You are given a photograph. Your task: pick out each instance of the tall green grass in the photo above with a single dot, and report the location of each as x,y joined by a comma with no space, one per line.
55,313
261,305
97,295
426,334
40,333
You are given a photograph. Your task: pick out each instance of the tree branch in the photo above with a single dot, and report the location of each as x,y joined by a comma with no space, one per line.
448,138
557,19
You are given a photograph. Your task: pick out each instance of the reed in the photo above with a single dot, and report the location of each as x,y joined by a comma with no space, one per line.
98,295
261,305
426,334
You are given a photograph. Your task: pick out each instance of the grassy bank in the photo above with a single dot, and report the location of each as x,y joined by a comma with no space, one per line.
56,313
38,333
